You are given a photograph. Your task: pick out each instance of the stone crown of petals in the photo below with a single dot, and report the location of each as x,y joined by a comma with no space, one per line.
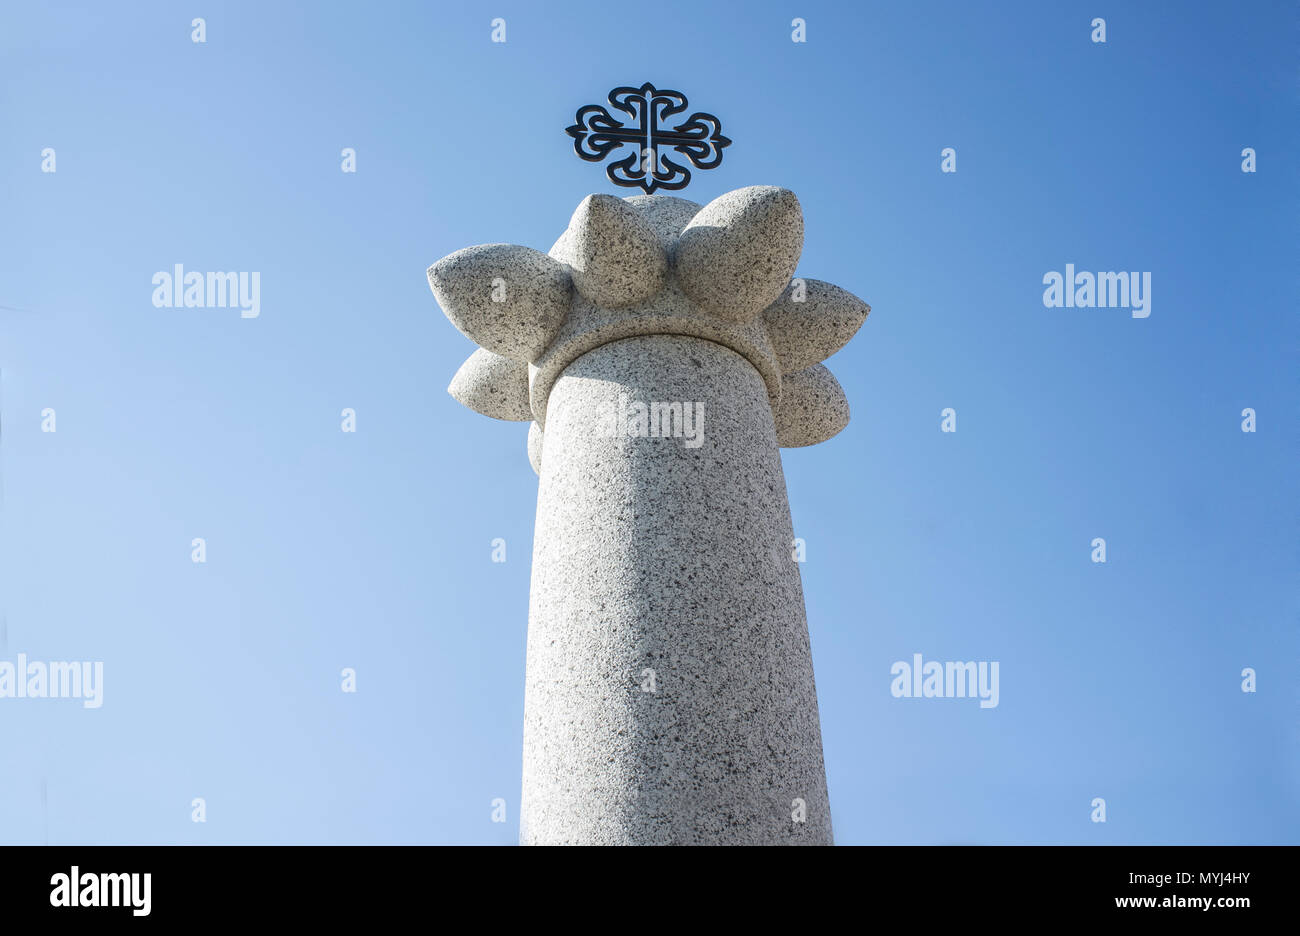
650,265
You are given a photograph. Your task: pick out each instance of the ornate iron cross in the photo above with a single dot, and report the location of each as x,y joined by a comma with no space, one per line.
699,138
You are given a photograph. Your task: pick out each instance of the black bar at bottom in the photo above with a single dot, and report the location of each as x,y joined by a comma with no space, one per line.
332,884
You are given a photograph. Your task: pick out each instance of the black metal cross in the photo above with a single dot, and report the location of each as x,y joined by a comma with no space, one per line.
699,138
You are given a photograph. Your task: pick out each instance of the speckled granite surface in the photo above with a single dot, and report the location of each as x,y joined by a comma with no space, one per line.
664,355
650,555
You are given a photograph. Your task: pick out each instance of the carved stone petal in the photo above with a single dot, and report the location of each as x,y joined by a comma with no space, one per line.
493,385
508,299
740,251
813,408
614,253
806,332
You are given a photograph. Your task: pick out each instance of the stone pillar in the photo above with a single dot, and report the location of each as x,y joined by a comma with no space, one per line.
664,354
670,695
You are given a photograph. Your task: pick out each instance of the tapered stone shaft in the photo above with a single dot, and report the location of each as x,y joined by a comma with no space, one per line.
670,695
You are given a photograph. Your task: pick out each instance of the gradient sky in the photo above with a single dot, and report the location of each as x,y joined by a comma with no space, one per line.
372,550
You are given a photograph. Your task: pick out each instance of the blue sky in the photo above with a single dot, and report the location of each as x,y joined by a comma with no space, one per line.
372,550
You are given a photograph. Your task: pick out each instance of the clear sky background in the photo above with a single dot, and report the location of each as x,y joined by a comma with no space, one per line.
372,550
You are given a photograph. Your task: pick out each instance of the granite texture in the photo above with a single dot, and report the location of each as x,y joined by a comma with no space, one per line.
662,560
813,408
493,385
535,439
649,554
503,297
711,273
667,214
614,255
669,312
805,332
740,251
